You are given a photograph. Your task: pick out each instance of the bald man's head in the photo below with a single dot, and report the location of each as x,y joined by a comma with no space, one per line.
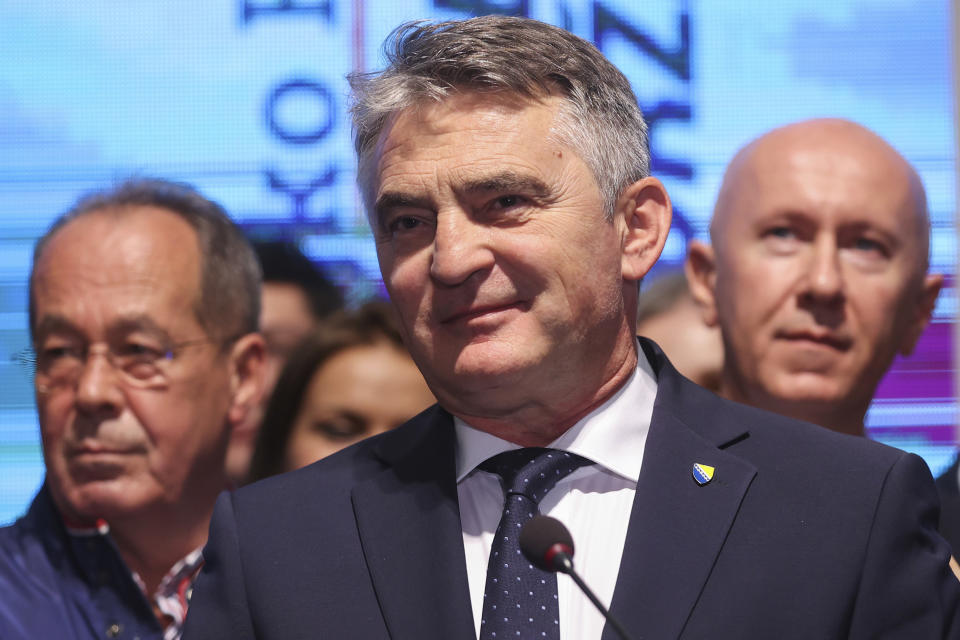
829,151
817,273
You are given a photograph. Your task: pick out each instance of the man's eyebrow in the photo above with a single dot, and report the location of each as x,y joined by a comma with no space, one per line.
889,236
504,182
500,182
138,322
57,323
786,215
392,199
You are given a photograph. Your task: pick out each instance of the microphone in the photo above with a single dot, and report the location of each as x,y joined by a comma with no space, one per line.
548,545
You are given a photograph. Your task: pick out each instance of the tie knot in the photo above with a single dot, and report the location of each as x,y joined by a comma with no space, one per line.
533,471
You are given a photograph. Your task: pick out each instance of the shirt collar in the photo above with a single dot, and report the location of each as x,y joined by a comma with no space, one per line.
186,566
613,435
83,530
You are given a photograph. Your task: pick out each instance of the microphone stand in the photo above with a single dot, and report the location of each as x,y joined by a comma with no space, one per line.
564,564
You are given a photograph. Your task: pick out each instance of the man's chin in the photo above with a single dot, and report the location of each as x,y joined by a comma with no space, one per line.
808,396
107,499
807,391
490,372
95,469
482,360
485,382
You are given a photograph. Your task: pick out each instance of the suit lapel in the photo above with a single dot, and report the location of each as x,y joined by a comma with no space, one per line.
409,521
409,524
677,527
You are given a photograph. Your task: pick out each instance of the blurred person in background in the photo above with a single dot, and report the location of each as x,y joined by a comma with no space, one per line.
296,295
668,315
143,315
350,379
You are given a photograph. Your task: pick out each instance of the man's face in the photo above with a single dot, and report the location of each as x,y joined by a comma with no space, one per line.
129,283
494,248
819,283
285,320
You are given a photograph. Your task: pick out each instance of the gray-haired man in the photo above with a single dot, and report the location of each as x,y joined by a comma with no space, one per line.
504,167
143,313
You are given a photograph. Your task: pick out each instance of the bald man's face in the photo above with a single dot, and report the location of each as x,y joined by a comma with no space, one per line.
818,275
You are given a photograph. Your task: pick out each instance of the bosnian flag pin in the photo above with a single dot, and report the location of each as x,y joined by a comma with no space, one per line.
702,473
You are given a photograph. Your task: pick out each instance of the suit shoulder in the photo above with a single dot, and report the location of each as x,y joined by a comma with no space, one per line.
776,433
754,430
796,438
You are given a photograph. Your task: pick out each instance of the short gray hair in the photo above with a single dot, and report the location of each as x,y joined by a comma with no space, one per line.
229,302
601,119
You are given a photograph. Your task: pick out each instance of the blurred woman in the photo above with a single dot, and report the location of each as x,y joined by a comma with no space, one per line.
350,379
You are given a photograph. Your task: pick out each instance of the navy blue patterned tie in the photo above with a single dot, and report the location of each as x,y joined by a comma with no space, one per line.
520,600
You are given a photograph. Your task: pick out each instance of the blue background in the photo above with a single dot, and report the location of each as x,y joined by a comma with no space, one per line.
247,100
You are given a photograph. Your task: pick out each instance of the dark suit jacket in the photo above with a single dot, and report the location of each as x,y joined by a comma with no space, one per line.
803,533
949,492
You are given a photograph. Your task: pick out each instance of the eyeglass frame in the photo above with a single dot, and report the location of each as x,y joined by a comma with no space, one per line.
30,359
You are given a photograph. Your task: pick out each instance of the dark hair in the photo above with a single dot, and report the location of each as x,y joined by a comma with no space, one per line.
284,262
372,323
428,61
229,301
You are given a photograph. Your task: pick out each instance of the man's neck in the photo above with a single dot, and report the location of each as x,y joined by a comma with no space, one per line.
151,545
842,419
539,424
850,423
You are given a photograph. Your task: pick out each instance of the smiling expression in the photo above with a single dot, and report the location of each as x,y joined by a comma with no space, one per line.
494,247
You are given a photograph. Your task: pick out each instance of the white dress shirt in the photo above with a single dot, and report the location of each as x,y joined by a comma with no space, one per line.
594,502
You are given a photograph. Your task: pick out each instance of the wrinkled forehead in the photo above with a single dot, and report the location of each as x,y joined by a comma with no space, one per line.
140,238
484,110
831,181
139,262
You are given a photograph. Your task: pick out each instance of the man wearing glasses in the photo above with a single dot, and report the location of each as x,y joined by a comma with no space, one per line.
143,314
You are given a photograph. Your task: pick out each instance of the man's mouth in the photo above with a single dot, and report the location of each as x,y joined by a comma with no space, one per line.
94,448
478,312
832,340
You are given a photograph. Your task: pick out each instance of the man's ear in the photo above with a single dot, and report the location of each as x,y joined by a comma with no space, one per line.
646,212
922,312
247,358
700,268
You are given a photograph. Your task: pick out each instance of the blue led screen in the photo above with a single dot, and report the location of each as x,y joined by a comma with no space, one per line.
246,99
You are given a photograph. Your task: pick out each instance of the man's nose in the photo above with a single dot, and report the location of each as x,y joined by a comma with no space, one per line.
98,385
460,248
825,275
822,292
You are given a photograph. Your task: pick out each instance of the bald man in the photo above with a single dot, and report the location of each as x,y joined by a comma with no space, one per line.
817,273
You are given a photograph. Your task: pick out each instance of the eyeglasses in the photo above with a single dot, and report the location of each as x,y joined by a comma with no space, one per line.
138,364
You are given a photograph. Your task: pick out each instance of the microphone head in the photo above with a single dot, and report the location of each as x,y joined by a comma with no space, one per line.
547,544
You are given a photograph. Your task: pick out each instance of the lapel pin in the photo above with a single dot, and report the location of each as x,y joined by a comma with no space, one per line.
702,473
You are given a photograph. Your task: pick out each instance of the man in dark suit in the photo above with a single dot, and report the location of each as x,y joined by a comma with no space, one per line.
817,275
504,166
817,272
